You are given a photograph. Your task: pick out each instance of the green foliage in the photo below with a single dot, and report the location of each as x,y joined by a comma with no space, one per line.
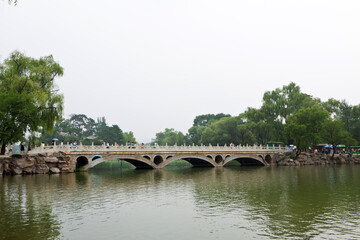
286,115
306,126
228,130
29,101
82,128
109,134
194,135
170,137
129,137
206,119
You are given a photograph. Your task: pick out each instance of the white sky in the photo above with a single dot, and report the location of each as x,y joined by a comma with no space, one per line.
147,65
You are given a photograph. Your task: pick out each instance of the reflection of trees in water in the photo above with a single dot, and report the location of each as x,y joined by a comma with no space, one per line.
25,213
290,202
277,202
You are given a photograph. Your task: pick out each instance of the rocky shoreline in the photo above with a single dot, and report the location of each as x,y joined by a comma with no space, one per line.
56,163
315,159
36,164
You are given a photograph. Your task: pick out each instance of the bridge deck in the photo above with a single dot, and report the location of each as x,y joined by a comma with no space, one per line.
149,149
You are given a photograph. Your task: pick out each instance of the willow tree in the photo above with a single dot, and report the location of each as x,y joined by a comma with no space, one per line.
29,100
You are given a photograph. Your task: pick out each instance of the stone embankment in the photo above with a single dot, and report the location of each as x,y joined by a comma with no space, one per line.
36,164
315,159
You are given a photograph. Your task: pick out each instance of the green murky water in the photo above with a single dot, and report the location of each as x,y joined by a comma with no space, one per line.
184,203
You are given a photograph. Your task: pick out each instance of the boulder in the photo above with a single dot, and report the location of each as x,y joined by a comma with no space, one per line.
23,162
42,168
67,170
51,160
54,170
40,160
29,170
16,171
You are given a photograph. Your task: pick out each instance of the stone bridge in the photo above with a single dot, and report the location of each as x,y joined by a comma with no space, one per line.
85,157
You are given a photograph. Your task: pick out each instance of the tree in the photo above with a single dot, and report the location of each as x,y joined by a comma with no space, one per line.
170,137
281,103
129,137
228,130
194,134
13,1
29,101
109,134
206,119
306,126
333,132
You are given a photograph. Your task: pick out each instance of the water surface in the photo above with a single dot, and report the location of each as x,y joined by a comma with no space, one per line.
178,203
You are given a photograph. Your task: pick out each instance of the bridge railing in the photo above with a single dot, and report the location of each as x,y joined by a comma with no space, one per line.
146,148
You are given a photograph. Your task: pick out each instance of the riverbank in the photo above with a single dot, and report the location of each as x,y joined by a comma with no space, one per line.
55,163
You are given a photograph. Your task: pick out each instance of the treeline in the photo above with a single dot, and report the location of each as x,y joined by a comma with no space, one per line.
287,115
80,127
30,104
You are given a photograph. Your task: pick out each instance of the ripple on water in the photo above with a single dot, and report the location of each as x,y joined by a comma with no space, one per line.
255,203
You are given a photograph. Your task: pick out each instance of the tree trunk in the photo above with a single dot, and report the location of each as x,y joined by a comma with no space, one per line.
334,148
2,149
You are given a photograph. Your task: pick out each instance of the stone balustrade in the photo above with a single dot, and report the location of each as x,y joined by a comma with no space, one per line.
147,148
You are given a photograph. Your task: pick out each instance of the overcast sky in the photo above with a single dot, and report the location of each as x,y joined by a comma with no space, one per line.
150,65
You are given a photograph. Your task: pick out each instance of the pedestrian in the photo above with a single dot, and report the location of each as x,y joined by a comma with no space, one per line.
6,149
11,149
22,147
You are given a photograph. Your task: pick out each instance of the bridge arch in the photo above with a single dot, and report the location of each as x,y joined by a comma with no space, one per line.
95,157
268,159
218,159
137,161
247,160
158,159
196,161
81,161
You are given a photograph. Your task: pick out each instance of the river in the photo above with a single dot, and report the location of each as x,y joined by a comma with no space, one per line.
310,202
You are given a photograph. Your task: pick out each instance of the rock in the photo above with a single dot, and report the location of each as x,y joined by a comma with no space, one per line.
64,165
29,170
42,168
51,160
23,162
40,160
16,171
54,170
67,170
